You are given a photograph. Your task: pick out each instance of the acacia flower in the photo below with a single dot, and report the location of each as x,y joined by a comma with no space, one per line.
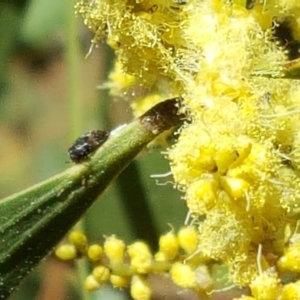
237,156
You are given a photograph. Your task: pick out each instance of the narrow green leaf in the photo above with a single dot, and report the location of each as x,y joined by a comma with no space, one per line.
35,220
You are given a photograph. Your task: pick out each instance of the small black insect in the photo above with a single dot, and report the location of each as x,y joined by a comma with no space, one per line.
87,144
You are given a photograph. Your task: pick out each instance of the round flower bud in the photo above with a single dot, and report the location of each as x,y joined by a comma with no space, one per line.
114,249
290,291
79,239
290,260
95,252
101,274
168,245
183,275
188,239
91,284
140,257
119,281
140,289
265,287
66,252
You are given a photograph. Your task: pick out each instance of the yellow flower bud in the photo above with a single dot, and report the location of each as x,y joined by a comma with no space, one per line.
290,260
101,274
95,252
137,249
140,257
265,287
91,284
168,245
291,291
119,281
188,239
183,275
79,239
114,249
66,252
140,289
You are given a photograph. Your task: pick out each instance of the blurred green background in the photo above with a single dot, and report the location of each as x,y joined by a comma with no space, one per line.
49,97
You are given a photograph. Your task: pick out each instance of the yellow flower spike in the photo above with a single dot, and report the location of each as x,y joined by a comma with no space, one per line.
236,188
290,261
201,195
119,281
140,257
188,239
183,275
79,239
95,252
168,245
101,274
91,284
66,252
114,249
265,287
140,289
290,291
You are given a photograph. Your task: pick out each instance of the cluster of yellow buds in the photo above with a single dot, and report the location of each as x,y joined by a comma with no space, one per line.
128,266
